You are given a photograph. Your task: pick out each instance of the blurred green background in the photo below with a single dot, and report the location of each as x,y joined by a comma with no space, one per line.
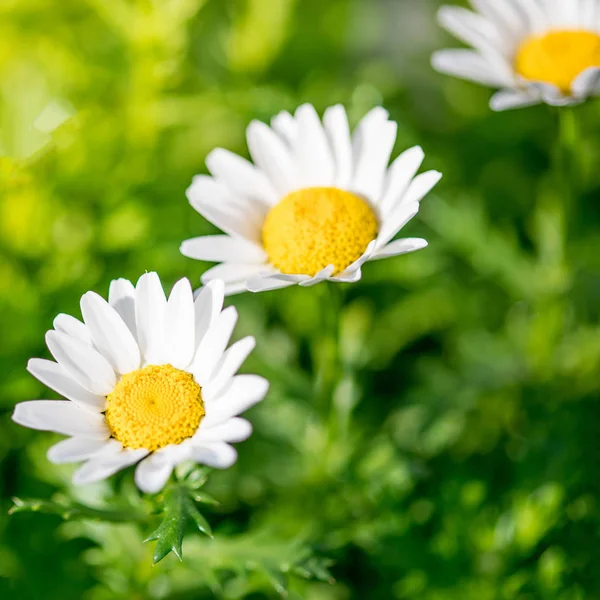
461,458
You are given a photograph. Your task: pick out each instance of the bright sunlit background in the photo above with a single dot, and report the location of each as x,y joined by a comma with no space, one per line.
468,465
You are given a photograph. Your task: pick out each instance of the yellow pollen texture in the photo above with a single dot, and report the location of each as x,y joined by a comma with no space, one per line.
558,57
316,227
154,407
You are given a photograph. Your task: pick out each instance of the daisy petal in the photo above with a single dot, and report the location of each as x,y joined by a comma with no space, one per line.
587,83
312,152
508,99
284,125
265,284
322,275
121,296
234,430
243,392
223,248
110,334
336,125
401,173
73,327
218,455
241,176
84,364
376,137
60,416
102,467
396,221
420,186
207,306
233,272
397,247
152,473
179,326
468,64
233,359
150,307
272,156
75,449
213,345
57,378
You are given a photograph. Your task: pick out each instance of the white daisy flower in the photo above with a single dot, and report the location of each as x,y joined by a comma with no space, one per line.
316,204
147,380
534,50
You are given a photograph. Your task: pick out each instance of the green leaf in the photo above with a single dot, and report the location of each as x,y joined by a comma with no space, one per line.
68,510
179,510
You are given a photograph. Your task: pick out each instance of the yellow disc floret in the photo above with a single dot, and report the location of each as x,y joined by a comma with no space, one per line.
313,228
558,57
153,407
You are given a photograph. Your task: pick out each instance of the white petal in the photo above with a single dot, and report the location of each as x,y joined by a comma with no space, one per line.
272,156
403,246
374,141
152,473
84,364
587,83
223,248
400,174
471,28
506,17
218,455
110,334
73,327
260,283
234,430
336,125
233,359
241,176
238,217
207,306
121,296
75,449
396,221
468,64
150,307
180,326
102,467
57,378
322,275
285,126
213,345
60,416
509,99
420,186
243,392
348,277
312,153
234,273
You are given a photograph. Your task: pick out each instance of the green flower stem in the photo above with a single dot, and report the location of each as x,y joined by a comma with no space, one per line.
566,167
328,362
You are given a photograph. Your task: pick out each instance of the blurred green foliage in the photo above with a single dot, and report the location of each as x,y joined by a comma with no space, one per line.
460,458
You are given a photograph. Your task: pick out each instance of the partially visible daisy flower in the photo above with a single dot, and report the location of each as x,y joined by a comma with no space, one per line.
146,380
534,50
316,204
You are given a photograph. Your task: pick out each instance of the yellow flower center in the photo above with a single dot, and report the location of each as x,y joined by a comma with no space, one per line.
153,407
313,228
558,57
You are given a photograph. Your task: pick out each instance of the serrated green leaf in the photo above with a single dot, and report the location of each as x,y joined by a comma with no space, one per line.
179,510
204,498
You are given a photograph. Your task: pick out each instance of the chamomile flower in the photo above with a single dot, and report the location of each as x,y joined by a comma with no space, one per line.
147,380
534,50
317,203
